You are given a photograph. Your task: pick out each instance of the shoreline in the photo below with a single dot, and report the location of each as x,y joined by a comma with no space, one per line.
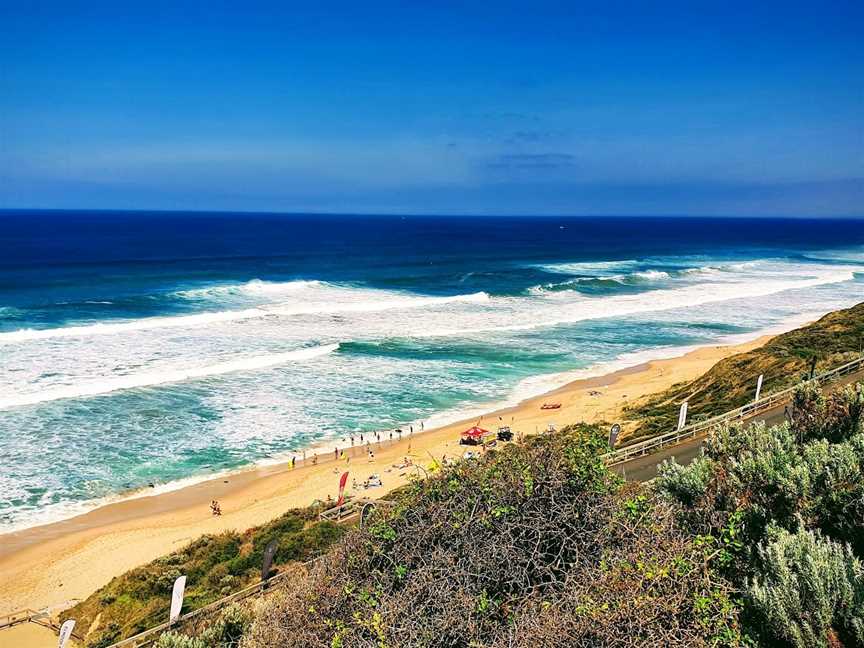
53,565
545,384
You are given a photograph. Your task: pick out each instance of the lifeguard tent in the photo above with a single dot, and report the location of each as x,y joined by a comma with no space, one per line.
473,436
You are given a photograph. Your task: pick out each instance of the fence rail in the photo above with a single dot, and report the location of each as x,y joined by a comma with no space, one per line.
31,616
346,511
738,414
21,616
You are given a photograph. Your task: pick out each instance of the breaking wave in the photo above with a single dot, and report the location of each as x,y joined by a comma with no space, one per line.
583,309
345,301
150,379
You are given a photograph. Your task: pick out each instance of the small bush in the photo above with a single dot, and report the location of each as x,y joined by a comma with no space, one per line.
176,640
810,591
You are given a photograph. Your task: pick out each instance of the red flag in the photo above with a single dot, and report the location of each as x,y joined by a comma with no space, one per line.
342,482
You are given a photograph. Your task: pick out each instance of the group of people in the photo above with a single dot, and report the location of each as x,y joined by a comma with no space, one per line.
215,509
362,438
342,454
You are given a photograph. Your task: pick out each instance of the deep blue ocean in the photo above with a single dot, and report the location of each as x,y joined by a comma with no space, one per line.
141,348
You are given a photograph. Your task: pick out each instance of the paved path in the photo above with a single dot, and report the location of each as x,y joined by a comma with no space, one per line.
645,468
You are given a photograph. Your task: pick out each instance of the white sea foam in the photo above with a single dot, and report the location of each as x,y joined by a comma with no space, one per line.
147,379
588,267
642,275
708,271
582,308
651,274
345,303
253,287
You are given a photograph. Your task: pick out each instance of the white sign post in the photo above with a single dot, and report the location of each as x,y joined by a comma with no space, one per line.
66,632
177,598
759,387
682,415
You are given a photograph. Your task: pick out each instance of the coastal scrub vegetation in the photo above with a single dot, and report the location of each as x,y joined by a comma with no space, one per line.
536,545
759,542
785,508
215,565
785,360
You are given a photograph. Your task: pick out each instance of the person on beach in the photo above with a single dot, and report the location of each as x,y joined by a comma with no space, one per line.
215,509
315,460
293,462
336,454
371,455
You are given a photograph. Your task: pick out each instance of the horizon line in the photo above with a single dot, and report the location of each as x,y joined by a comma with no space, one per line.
349,214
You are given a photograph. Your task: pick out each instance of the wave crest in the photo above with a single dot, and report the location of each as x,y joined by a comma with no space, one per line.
343,301
150,379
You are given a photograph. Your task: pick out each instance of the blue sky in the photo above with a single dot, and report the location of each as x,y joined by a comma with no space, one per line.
435,107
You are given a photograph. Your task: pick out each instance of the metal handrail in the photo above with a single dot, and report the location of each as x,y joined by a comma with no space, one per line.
19,616
642,448
31,616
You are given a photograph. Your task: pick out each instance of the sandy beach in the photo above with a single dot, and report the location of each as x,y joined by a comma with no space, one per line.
52,566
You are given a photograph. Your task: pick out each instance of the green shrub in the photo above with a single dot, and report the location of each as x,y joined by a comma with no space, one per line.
176,640
685,484
810,591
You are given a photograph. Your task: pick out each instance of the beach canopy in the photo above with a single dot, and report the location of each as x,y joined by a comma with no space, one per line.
475,433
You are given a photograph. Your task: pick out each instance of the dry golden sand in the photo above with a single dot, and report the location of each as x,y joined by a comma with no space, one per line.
52,565
29,635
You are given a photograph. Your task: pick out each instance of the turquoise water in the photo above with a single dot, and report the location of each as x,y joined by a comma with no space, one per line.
151,348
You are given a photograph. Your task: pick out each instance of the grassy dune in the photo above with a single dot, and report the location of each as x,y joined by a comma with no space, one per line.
834,339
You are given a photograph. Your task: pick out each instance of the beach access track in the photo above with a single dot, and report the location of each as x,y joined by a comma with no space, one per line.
639,461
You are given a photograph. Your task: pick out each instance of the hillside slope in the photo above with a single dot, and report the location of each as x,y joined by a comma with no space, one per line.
832,340
215,565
